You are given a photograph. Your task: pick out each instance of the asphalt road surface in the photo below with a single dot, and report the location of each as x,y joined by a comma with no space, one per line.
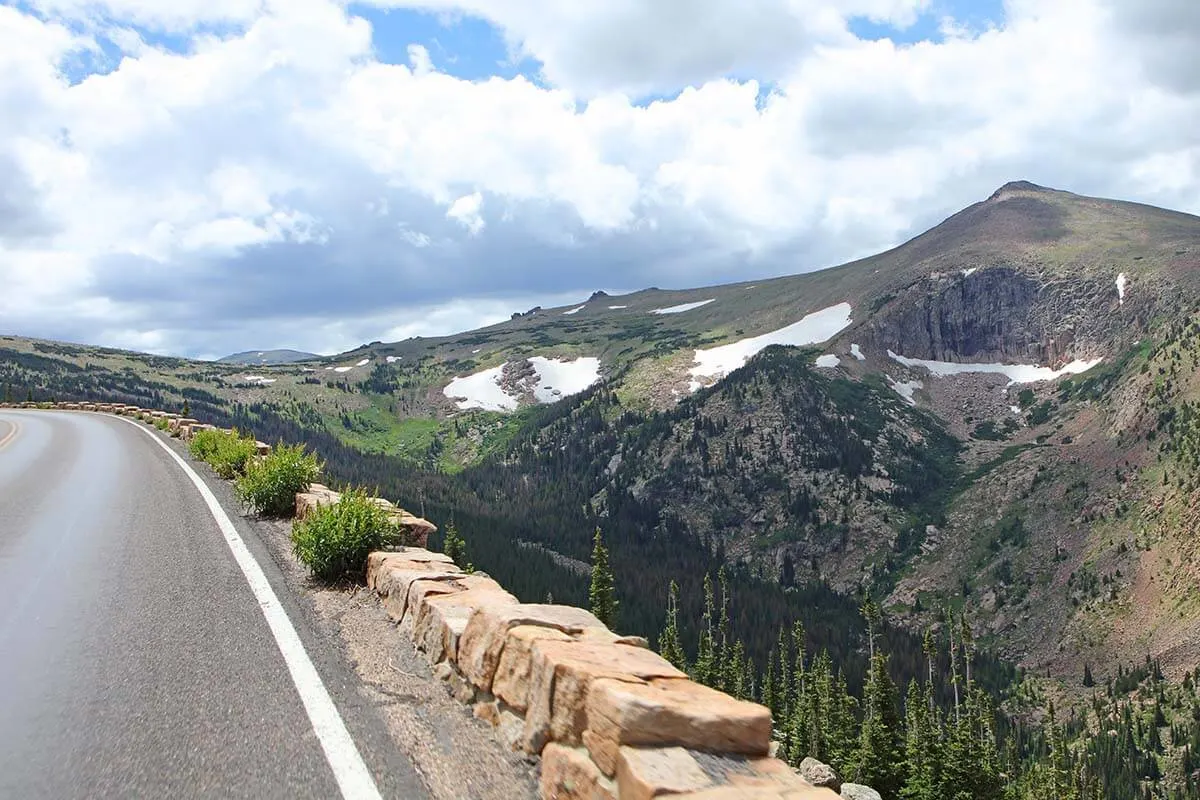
136,659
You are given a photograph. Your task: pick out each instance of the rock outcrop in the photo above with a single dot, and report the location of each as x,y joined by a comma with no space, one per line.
819,774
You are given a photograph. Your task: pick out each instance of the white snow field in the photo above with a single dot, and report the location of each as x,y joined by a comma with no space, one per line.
905,389
1121,288
481,390
969,272
561,378
259,379
363,363
556,379
682,308
856,351
828,361
615,308
819,326
574,311
393,359
342,369
1017,373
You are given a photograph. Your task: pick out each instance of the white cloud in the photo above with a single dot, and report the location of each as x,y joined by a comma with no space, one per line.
465,211
638,46
280,154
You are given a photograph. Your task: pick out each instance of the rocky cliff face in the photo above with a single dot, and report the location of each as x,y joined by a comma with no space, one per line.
1004,314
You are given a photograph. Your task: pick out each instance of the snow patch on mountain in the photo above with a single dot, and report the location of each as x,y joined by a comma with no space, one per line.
905,389
1017,373
553,379
856,351
819,326
828,361
481,390
1121,281
574,311
561,378
682,308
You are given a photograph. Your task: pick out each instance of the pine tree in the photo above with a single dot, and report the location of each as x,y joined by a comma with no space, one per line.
8,395
602,594
768,685
842,727
29,395
921,756
879,762
1088,680
1058,777
187,408
453,544
703,668
782,678
723,644
669,644
737,678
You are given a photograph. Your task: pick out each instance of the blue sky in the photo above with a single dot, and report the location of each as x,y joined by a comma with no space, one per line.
465,47
975,15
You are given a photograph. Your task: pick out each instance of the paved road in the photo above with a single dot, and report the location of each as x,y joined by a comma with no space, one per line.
135,659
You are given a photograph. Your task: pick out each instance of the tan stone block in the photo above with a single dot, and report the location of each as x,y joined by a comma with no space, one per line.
424,584
377,560
511,681
307,502
643,774
673,712
418,529
487,634
604,751
561,675
568,774
395,584
439,617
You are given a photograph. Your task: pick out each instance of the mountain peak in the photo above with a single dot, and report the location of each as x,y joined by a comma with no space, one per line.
1017,186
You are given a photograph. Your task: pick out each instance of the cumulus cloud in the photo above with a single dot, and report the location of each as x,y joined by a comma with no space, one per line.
273,183
465,211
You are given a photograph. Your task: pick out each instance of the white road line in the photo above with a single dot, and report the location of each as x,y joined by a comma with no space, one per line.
12,433
351,773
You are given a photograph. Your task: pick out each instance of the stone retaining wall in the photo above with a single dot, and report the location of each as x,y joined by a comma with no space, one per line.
608,717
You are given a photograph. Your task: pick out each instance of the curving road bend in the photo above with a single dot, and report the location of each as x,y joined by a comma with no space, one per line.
135,659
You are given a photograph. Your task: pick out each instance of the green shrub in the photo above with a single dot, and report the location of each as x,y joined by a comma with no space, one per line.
334,541
227,453
270,484
162,424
